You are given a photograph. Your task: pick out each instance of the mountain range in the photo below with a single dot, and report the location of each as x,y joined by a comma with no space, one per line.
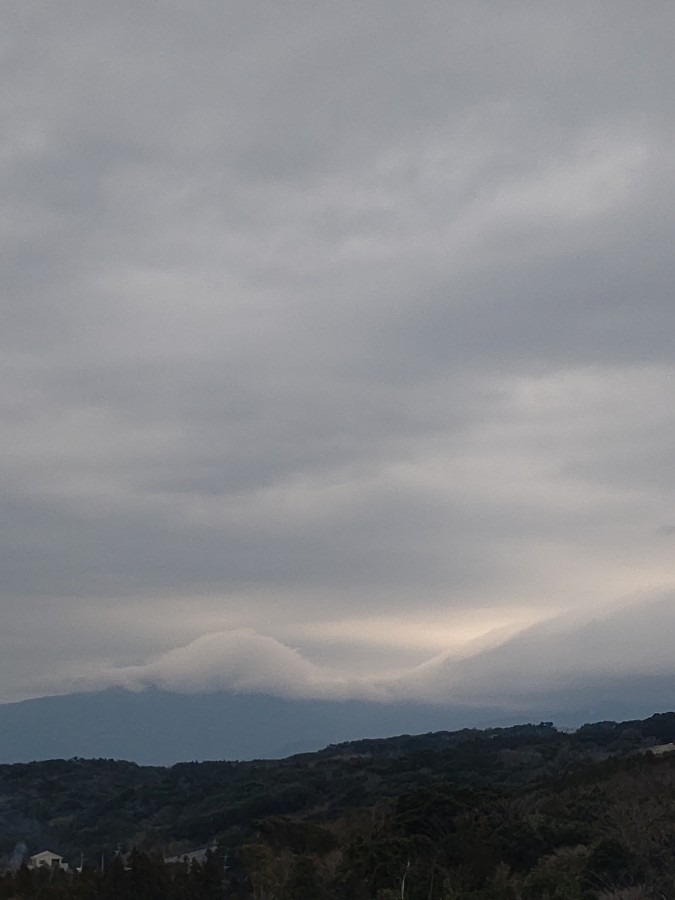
157,727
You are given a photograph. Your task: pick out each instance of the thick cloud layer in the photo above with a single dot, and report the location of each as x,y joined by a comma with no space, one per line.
339,328
597,655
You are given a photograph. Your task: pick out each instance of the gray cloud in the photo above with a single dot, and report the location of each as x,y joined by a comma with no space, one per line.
323,313
549,664
558,658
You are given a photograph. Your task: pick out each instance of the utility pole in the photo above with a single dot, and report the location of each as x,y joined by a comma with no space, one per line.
403,880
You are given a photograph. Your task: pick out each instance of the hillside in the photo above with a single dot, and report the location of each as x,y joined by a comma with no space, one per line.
520,797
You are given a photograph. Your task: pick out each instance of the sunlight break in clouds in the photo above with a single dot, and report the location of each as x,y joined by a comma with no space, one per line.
545,663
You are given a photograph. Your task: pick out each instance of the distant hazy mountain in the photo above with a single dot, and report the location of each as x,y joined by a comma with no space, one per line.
156,727
163,728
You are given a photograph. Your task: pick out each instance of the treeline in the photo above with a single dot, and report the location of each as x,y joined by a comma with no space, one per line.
91,807
523,813
606,832
138,876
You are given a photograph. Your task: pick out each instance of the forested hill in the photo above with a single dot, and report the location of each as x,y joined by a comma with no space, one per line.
474,806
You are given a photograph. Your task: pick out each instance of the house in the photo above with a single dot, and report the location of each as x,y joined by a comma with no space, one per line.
47,860
191,856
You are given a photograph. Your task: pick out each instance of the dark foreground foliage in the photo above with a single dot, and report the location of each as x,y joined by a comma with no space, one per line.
138,877
525,813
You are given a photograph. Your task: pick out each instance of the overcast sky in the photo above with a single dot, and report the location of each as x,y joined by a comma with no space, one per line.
338,344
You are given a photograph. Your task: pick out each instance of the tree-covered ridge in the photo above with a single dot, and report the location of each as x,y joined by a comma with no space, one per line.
526,812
